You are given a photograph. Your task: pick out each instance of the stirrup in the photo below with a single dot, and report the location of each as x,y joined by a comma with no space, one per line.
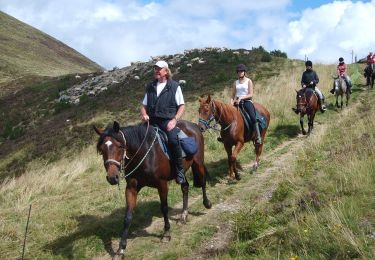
180,177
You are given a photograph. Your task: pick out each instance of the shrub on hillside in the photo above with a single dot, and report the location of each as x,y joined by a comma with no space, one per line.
278,53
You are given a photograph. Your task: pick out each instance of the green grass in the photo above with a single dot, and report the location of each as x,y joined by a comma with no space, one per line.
327,208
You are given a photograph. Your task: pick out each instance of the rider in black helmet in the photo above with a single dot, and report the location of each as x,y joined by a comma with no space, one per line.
342,71
309,80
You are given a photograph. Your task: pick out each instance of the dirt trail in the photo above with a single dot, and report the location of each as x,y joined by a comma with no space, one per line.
264,182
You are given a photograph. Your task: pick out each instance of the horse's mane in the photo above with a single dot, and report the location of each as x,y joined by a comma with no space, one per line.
226,106
133,134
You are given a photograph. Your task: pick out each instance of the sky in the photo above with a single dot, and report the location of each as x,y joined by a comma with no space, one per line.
114,33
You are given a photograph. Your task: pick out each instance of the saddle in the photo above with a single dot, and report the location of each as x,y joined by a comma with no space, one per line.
188,144
247,120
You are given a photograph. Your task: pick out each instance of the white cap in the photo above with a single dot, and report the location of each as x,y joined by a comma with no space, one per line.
161,64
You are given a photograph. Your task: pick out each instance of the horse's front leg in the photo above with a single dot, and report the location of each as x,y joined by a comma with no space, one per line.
342,101
131,200
163,195
301,123
228,149
337,101
235,153
185,197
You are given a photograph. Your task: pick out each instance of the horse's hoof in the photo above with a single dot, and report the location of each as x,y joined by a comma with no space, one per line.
165,239
238,177
255,167
304,132
207,204
183,218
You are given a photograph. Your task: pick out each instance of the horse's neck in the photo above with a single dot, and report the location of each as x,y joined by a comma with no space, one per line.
224,113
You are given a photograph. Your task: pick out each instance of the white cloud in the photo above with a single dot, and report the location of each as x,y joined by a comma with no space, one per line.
330,31
115,32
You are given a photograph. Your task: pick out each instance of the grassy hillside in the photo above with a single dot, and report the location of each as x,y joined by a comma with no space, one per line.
34,126
28,52
311,198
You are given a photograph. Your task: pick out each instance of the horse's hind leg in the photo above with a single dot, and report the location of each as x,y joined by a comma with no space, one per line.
258,152
131,198
163,195
200,174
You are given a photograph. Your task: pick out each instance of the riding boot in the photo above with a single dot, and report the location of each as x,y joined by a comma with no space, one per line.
332,90
322,106
180,173
258,139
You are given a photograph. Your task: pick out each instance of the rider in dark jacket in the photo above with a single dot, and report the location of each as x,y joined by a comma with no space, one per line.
309,80
163,105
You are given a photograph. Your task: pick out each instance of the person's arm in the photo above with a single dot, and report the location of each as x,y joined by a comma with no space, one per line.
233,94
172,123
338,70
303,84
144,115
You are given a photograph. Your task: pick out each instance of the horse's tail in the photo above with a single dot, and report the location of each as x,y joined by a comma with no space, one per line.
198,179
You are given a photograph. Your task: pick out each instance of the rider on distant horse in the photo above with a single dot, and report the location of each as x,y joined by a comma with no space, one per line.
242,94
370,65
342,70
163,105
309,80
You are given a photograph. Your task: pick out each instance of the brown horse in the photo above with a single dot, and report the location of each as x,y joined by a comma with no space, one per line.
307,104
232,129
136,150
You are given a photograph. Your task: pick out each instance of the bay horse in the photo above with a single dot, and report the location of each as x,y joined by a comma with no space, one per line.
136,150
232,129
307,104
341,89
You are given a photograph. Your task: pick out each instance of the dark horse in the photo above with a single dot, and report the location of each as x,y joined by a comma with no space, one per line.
307,104
341,89
370,75
232,129
136,149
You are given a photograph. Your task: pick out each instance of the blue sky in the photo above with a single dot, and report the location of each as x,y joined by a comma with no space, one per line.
117,32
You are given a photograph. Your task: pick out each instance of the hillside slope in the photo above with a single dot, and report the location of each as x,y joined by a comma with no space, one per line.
26,51
311,198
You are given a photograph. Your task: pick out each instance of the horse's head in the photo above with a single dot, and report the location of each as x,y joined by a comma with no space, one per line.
301,100
112,145
206,113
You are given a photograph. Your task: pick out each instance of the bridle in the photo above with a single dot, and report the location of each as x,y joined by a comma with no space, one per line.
120,164
207,123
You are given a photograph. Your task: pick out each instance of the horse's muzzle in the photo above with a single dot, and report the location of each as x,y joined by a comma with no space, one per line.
113,180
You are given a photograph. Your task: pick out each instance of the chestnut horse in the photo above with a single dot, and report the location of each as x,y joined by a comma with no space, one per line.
232,129
307,104
136,150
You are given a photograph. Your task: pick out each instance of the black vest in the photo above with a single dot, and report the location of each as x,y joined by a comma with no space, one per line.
164,106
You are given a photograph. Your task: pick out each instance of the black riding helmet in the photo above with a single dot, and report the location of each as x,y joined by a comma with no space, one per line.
241,67
308,63
341,60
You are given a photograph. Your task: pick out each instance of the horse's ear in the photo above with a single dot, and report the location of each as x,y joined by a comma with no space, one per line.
296,90
98,130
116,126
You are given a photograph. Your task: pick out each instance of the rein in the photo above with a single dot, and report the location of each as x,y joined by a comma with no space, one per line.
121,165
